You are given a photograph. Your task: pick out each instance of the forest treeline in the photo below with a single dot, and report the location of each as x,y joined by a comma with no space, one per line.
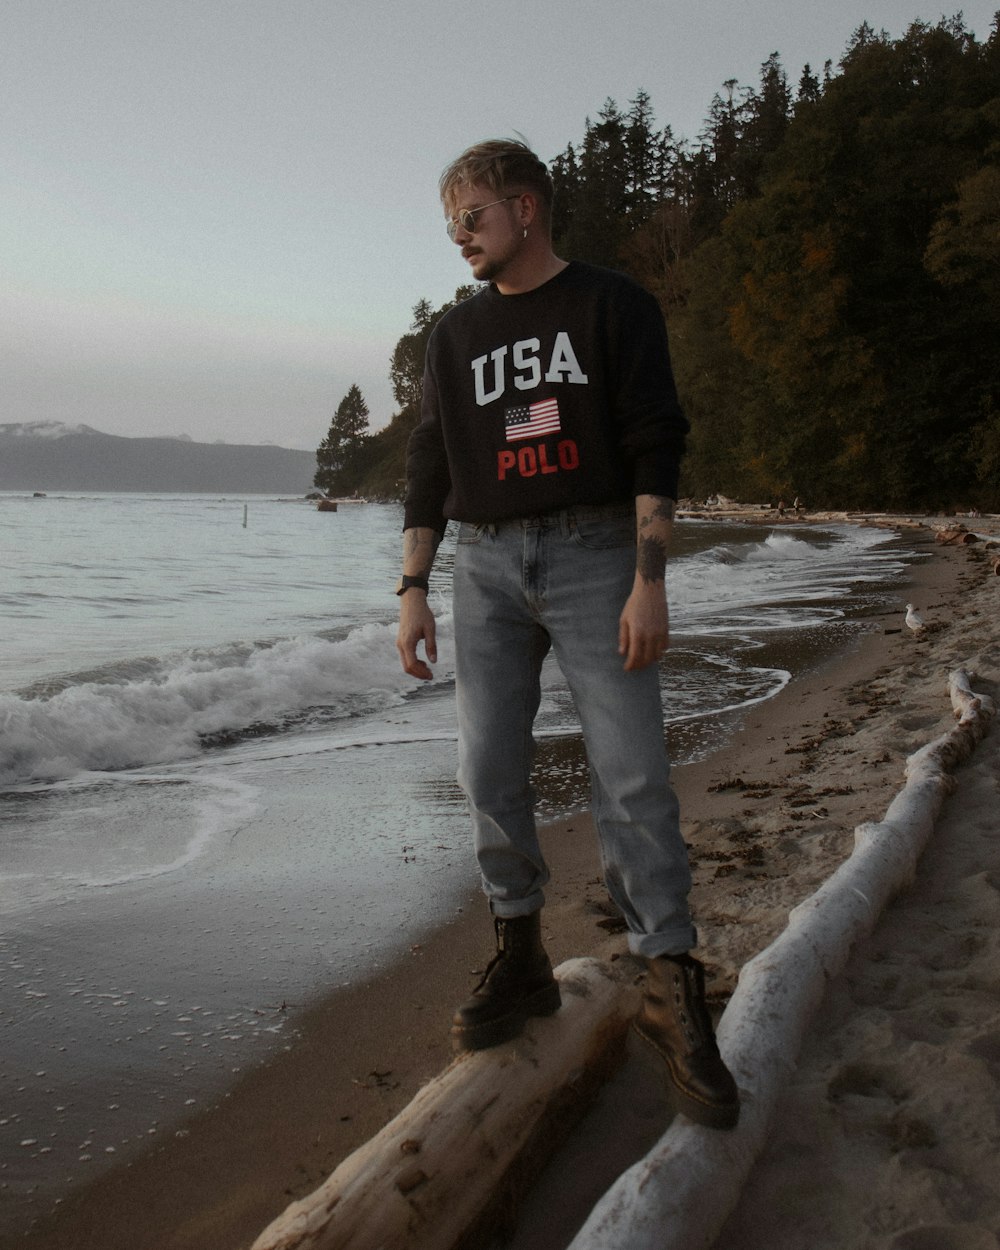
827,255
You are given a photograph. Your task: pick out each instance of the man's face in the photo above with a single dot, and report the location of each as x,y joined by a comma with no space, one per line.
496,238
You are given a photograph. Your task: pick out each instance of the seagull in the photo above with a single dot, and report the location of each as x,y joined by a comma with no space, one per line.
914,620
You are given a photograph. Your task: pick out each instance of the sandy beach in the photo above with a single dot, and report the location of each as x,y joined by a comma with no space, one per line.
887,1136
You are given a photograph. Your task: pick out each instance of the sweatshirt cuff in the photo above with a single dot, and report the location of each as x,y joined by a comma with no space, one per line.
412,519
657,478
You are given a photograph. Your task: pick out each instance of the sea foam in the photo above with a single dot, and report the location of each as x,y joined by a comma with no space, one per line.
201,698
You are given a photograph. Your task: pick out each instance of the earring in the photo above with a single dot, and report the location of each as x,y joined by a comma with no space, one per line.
524,233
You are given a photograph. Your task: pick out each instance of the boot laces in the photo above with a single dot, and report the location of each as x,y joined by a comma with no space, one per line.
497,958
500,927
689,1003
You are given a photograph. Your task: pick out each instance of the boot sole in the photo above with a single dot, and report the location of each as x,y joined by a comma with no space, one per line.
707,1114
544,1002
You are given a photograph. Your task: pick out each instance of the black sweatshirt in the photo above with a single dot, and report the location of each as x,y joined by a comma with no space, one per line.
563,395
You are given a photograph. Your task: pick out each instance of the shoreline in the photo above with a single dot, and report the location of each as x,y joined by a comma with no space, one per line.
353,1065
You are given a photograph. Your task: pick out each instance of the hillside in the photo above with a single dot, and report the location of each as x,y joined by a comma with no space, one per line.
51,456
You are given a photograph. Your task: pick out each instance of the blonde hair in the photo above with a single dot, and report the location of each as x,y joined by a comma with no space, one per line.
502,165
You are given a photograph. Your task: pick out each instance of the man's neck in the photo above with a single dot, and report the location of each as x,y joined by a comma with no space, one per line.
529,273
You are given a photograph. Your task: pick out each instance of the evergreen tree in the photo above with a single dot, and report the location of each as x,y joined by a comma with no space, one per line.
380,468
641,162
714,382
857,285
406,369
809,88
766,115
565,173
596,222
713,171
608,190
339,457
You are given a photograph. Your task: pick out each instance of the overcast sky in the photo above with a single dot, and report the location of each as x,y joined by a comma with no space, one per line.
217,215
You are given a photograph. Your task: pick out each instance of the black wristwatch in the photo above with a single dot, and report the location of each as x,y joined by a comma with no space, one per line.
405,584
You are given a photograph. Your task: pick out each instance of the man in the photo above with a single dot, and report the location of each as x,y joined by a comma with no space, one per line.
551,432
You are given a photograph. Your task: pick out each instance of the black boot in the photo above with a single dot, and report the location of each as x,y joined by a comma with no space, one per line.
518,983
675,1021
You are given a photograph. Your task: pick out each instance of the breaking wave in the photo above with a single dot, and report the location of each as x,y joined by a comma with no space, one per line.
160,711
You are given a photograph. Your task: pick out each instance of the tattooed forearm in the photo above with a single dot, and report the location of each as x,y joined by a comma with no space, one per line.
654,519
662,509
420,546
651,558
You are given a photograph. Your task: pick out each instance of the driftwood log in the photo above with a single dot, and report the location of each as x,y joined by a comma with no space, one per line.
958,537
679,1196
446,1173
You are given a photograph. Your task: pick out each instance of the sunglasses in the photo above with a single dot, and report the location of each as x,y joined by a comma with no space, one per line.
467,217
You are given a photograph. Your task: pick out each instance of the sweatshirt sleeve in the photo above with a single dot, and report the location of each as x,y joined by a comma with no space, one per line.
428,480
653,426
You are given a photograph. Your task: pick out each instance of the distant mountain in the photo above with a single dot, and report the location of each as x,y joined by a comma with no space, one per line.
51,456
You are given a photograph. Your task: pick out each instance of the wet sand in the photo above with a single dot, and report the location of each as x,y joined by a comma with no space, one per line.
767,819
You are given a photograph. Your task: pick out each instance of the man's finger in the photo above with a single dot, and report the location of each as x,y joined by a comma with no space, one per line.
623,637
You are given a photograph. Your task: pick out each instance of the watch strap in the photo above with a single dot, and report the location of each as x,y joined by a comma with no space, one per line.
406,583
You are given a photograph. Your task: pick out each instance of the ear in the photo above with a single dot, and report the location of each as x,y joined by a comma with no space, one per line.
527,207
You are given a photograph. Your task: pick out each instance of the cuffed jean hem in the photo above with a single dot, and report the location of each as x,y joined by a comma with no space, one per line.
513,909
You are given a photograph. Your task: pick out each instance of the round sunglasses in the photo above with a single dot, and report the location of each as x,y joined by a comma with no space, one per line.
467,217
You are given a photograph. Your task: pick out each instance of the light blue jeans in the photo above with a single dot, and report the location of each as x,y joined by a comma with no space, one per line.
561,580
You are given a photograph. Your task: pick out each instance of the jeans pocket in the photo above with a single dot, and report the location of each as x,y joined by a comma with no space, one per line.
469,534
604,533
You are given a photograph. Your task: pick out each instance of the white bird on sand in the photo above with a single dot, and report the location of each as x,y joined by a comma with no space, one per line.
914,620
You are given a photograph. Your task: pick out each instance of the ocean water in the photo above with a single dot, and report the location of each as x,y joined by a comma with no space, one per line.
219,792
167,643
145,630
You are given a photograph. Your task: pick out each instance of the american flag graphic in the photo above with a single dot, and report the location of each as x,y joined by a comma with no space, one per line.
532,420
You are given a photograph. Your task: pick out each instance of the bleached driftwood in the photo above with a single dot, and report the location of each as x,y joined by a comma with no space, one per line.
957,537
679,1196
451,1163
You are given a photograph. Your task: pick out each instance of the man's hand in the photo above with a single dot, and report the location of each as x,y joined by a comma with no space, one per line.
416,624
416,620
644,625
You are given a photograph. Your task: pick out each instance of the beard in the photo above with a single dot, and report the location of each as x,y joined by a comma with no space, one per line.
489,268
484,269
